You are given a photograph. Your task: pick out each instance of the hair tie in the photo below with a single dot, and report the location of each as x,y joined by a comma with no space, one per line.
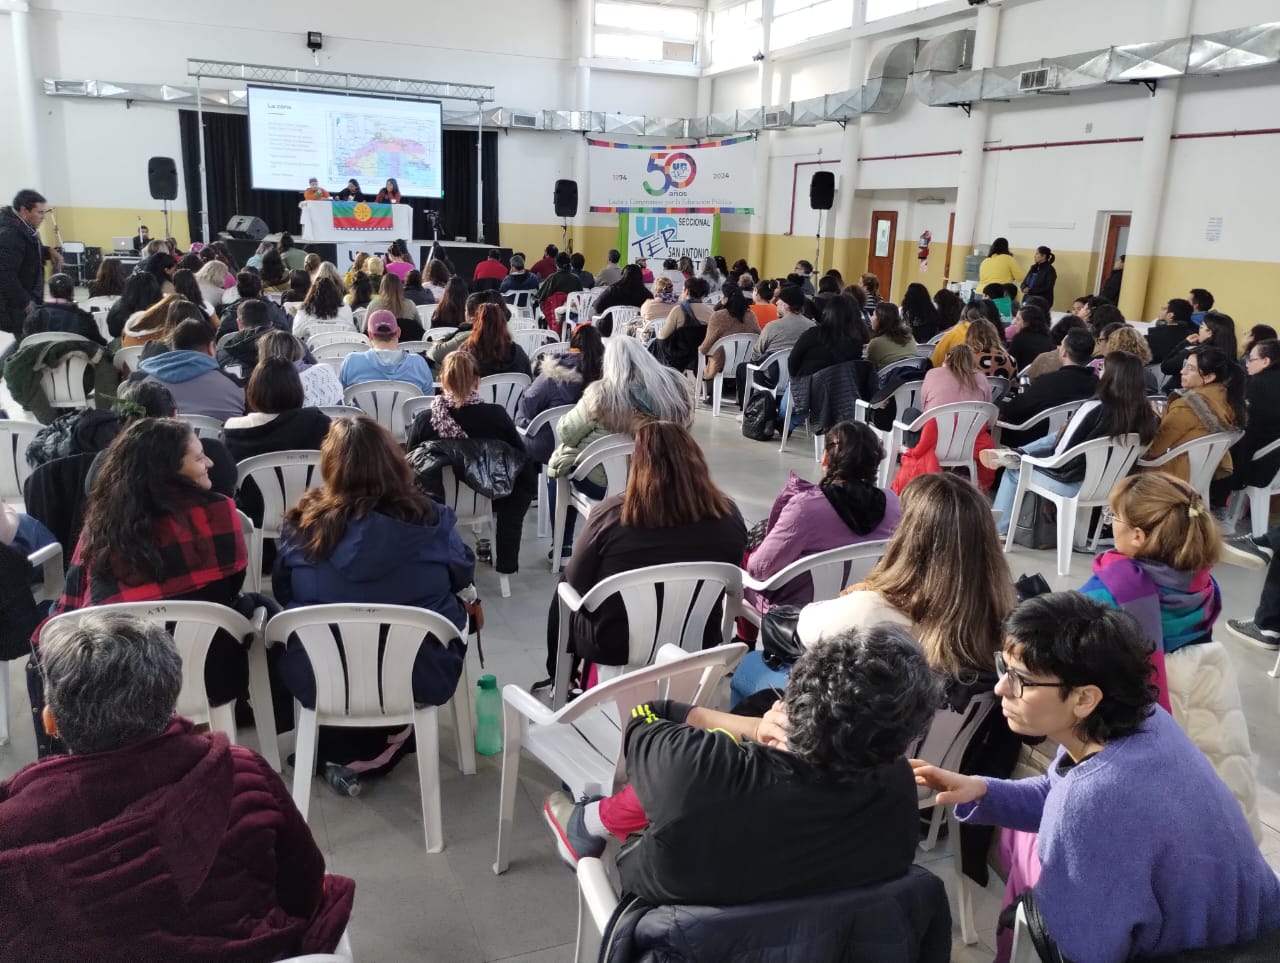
1193,512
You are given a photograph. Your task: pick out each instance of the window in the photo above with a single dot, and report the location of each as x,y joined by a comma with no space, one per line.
880,9
646,31
735,33
797,20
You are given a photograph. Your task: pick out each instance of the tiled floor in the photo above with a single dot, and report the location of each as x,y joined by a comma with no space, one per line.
451,907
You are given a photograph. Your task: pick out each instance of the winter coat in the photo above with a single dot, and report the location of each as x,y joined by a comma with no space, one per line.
1165,338
1040,281
575,432
1262,396
242,348
488,466
721,325
1071,382
198,385
21,270
379,365
179,847
906,920
804,522
440,350
228,323
829,396
87,431
1028,345
559,382
62,316
1193,414
25,368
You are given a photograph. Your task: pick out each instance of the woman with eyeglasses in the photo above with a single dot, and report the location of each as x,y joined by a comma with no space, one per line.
1142,850
1218,330
1212,401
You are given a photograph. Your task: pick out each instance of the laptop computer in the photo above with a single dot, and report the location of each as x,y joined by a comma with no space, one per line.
122,245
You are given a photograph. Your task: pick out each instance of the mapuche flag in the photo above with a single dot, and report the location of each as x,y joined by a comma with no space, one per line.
350,215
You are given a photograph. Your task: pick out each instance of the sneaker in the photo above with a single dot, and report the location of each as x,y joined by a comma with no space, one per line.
999,458
1248,631
1243,551
342,780
565,817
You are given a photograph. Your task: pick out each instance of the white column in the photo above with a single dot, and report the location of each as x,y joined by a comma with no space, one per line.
1153,168
975,138
764,144
842,224
582,100
27,143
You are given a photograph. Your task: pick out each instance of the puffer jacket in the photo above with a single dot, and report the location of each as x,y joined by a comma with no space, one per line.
485,465
73,433
180,847
559,382
21,270
440,350
907,920
576,430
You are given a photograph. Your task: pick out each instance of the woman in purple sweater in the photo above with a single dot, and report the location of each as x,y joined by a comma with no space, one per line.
1143,850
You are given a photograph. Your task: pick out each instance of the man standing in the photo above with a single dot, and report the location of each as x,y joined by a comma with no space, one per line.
22,258
141,239
610,273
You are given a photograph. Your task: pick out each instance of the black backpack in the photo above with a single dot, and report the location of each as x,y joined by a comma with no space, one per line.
760,418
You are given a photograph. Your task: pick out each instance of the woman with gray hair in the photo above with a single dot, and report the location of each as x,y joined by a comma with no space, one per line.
150,835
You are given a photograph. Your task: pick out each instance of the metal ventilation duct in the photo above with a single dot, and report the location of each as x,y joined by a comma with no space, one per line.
887,79
624,124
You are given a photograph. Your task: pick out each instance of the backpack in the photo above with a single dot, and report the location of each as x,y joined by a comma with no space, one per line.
760,417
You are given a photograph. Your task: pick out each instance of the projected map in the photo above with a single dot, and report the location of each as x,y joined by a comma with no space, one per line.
367,148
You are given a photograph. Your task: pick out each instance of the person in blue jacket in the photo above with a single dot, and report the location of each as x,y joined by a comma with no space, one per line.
370,536
385,360
560,380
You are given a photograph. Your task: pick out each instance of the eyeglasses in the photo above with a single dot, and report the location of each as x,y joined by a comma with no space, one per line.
1109,516
1191,367
1016,682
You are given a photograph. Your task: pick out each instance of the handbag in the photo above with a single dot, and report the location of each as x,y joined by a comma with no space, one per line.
760,417
778,640
1029,586
1037,523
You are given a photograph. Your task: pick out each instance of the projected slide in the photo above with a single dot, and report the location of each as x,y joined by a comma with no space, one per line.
296,135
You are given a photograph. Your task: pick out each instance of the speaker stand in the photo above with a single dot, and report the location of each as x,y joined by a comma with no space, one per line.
165,206
566,242
817,249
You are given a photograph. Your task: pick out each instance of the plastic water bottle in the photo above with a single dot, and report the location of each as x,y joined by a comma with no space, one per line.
488,717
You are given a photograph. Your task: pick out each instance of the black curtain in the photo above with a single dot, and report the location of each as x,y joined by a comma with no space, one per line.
226,143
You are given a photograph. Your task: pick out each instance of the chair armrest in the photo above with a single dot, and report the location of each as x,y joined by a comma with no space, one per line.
1050,461
595,892
1267,449
42,555
569,596
527,705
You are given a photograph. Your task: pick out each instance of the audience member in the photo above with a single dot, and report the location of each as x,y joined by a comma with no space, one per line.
322,308
611,272
983,339
370,536
1201,304
152,324
161,265
491,345
1212,401
414,291
734,317
360,291
835,339
491,268
293,257
949,308
1031,336
778,335
646,275
956,333
1049,361
1261,427
241,348
59,312
677,340
547,265
1218,330
561,281
385,360
109,281
1073,381
248,286
212,279
1077,671
1042,278
628,291
357,266
391,298
762,306
578,262
274,274
958,379
919,313
141,291
891,338
299,285
659,305
519,279
453,305
467,306
192,375
398,261
320,384
438,275
561,380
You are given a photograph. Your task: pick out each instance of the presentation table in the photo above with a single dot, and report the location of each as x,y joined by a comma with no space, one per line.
318,222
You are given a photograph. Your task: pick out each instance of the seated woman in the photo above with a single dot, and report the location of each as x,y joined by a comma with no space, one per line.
359,292
458,415
1191,877
989,351
891,339
1031,337
154,530
626,292
1159,572
1218,330
561,380
253,880
275,278
1211,401
453,304
212,279
59,312
468,308
150,324
320,384
845,508
322,307
659,306
370,536
277,421
414,291
958,379
671,511
919,314
490,342
836,338
1119,408
677,339
391,297
732,317
299,284
632,389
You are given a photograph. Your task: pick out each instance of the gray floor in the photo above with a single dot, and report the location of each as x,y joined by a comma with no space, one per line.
451,907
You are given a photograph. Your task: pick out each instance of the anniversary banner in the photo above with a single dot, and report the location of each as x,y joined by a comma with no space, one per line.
711,178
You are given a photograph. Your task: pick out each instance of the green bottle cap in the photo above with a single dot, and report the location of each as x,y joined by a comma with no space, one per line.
488,682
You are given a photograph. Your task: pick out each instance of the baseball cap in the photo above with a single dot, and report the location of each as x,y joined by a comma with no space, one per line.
382,324
791,296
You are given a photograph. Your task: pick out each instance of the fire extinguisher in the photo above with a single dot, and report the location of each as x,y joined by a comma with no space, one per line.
925,240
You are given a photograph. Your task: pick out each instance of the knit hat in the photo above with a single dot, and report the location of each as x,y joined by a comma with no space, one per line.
791,296
381,324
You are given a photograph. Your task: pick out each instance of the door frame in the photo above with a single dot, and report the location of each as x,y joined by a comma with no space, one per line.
1112,223
884,275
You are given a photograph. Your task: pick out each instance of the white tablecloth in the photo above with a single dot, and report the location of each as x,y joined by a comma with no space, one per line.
317,224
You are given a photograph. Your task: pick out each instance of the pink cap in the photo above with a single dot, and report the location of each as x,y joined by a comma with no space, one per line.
381,324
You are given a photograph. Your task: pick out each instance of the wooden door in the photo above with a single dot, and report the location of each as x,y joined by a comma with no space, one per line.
1117,243
884,236
951,236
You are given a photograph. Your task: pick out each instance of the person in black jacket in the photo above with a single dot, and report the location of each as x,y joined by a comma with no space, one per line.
1074,381
60,313
1217,329
22,258
249,287
1170,330
1042,277
1111,286
1031,337
836,338
823,775
1262,399
628,292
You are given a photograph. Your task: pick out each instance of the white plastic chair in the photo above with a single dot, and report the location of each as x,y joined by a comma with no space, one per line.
63,384
903,397
531,339
736,348
999,387
425,313
281,477
613,454
1107,460
358,316
205,426
439,334
416,347
381,401
129,358
193,626
551,347
573,306
342,954
48,561
664,603
620,314
322,339
353,689
831,572
340,411
472,508
551,417
15,436
1053,418
521,302
1258,496
581,743
1204,455
101,303
410,408
776,360
505,390
339,349
958,427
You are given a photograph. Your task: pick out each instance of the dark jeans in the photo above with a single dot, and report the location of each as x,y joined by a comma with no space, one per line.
1268,614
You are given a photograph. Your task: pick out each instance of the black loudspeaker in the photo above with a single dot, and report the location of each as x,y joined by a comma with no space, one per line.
246,227
566,198
162,176
822,190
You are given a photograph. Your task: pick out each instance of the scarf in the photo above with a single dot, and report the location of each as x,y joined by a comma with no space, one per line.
442,408
859,504
1174,608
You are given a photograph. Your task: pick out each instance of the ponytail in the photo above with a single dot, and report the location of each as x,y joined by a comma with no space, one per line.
1049,256
960,361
